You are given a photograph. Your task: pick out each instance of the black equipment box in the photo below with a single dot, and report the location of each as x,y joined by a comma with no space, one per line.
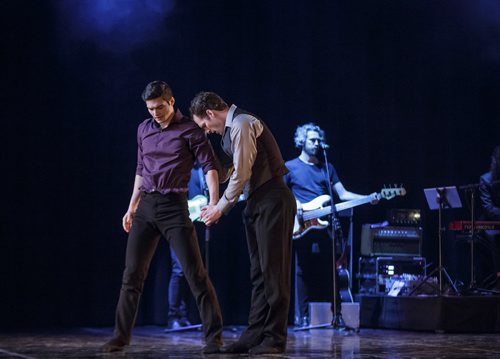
404,217
377,274
390,241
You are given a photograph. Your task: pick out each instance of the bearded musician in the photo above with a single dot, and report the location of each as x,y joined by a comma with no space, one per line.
313,260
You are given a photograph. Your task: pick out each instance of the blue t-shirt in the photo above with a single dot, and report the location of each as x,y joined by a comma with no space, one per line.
309,181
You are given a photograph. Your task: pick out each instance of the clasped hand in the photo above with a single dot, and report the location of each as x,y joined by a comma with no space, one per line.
210,215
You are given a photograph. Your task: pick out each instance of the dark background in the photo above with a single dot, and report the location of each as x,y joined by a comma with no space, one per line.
407,92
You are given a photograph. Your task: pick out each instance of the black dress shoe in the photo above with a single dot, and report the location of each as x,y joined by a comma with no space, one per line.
236,347
267,347
211,348
114,345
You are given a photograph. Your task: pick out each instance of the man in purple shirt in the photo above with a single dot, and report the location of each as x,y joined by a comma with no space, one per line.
168,144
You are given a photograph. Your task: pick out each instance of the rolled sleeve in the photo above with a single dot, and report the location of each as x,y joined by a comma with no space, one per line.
203,150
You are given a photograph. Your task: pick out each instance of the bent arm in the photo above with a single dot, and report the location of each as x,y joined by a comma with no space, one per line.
244,133
346,195
212,178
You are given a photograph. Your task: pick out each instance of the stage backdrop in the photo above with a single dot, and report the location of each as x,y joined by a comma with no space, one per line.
407,92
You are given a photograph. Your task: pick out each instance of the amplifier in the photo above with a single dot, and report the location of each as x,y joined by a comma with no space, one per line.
392,241
377,274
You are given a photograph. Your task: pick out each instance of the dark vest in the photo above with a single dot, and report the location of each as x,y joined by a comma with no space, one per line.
268,163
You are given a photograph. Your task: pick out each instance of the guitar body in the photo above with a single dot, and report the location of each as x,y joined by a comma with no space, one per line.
309,217
343,286
301,226
309,214
194,206
196,203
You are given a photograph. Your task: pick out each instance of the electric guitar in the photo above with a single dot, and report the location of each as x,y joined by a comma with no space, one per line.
309,214
194,206
197,202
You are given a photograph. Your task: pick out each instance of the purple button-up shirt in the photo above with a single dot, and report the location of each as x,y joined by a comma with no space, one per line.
165,156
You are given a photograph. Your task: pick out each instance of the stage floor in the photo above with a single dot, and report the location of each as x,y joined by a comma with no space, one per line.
152,342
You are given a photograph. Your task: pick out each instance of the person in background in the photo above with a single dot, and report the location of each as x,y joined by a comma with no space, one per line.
489,194
307,179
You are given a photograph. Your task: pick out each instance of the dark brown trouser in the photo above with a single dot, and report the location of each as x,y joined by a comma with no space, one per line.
268,218
165,215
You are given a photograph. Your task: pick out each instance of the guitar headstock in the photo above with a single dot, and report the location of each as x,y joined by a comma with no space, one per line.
391,192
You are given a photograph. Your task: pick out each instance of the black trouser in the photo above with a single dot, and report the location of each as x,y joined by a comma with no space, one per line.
313,272
177,306
268,218
165,215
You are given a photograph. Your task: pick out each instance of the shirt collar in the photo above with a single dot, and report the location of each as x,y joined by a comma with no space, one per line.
229,116
178,116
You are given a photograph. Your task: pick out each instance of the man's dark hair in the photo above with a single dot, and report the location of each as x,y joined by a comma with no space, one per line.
495,163
157,89
204,101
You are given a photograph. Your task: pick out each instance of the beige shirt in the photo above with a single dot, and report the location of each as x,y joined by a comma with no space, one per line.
244,131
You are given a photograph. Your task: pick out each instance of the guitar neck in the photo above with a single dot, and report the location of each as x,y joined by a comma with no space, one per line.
353,203
321,212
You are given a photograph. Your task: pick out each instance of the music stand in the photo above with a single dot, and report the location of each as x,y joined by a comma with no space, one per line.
441,198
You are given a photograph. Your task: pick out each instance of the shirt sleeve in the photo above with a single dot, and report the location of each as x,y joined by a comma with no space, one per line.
244,132
140,164
334,177
202,149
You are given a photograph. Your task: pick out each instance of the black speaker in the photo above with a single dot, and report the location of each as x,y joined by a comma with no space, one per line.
393,241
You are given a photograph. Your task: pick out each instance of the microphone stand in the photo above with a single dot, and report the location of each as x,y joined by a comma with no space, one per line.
337,321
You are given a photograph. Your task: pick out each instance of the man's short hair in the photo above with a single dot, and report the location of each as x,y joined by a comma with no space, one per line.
301,134
157,89
204,101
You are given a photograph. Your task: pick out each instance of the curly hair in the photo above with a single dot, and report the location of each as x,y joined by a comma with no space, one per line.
301,134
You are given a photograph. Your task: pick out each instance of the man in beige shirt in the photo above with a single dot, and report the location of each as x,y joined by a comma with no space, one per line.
253,163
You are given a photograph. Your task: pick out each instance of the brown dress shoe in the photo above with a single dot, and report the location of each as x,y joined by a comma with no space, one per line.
211,348
113,345
267,347
236,347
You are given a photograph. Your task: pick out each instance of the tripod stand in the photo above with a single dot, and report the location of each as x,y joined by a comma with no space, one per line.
472,188
440,199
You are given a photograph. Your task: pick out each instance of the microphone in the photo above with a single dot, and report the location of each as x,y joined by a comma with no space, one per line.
324,146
